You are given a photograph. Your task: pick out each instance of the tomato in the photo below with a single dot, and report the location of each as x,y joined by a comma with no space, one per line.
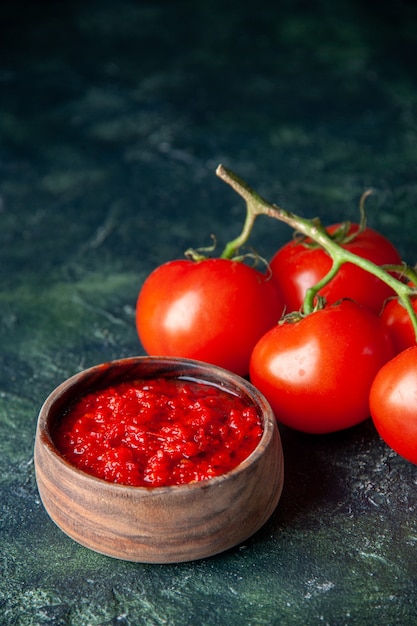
393,403
317,372
398,323
213,310
297,266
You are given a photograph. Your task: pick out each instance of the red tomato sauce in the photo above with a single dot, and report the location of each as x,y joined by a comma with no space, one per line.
159,432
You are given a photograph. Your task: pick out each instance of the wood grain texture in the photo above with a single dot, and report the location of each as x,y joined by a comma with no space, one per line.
166,524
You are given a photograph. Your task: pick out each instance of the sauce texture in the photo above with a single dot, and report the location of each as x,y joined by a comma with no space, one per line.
158,432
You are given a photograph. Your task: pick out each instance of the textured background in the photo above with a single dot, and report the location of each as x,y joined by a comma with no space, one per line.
113,118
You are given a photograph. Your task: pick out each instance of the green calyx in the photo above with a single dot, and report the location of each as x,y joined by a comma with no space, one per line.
342,234
199,254
232,250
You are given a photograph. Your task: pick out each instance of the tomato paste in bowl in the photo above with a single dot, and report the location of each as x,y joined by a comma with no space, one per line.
158,432
157,459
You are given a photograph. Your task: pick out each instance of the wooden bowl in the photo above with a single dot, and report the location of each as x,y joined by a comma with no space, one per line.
158,524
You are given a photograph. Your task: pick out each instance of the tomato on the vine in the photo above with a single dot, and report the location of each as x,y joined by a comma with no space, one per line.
300,264
213,310
398,323
393,403
317,372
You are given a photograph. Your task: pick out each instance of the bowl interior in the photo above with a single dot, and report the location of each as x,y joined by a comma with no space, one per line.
105,375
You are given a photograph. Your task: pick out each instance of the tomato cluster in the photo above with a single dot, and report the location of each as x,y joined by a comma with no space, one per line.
393,402
398,323
322,370
317,372
299,265
213,310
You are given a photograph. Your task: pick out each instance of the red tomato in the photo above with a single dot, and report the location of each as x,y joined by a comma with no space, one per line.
398,323
393,403
296,267
213,310
317,372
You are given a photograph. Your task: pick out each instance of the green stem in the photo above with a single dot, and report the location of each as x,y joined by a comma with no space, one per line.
311,292
253,204
405,271
313,229
231,248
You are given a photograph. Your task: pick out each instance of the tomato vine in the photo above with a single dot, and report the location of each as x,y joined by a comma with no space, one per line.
314,230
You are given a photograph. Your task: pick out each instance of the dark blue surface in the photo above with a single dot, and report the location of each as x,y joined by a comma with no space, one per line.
113,118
